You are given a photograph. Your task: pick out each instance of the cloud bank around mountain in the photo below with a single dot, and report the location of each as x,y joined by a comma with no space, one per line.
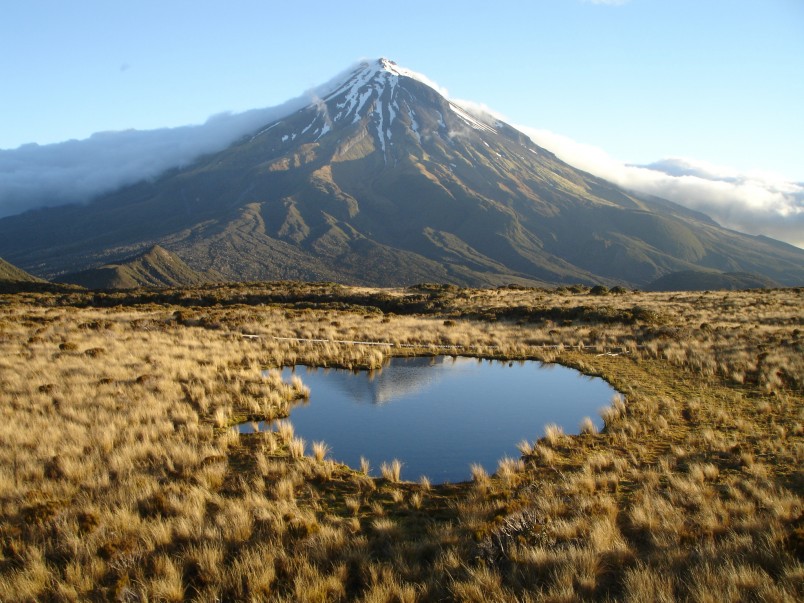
751,202
75,171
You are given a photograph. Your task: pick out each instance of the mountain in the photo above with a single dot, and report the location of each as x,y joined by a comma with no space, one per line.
384,181
11,274
697,280
157,267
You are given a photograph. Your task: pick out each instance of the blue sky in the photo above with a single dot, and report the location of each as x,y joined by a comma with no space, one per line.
714,81
717,80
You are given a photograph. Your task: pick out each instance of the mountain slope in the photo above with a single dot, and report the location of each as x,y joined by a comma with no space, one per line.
155,268
11,274
386,182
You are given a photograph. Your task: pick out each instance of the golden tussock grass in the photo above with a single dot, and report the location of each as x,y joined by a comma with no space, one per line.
391,471
122,477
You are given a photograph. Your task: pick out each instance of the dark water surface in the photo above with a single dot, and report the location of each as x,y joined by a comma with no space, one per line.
439,415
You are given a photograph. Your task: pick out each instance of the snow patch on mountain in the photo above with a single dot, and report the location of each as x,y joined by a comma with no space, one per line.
414,125
264,130
470,120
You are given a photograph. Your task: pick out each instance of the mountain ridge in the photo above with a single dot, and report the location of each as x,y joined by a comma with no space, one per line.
156,267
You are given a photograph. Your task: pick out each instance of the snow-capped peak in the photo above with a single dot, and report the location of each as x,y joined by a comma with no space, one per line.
391,67
381,69
373,90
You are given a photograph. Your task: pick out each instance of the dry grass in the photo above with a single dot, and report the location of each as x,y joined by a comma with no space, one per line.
320,451
588,426
391,471
121,476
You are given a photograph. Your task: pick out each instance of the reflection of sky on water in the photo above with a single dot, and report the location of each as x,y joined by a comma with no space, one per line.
439,415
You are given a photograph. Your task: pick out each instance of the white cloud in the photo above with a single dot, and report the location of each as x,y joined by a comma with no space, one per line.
78,170
33,176
751,202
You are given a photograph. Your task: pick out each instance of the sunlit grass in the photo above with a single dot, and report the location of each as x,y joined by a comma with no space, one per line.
392,470
122,477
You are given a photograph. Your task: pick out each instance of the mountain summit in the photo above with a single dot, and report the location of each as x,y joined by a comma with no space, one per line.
385,181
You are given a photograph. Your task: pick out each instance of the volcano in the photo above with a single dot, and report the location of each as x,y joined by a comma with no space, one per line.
384,181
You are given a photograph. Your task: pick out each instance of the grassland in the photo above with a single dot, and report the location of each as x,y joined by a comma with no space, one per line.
121,477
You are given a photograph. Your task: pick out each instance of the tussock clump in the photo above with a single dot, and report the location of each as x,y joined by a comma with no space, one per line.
553,435
479,474
588,426
391,471
320,451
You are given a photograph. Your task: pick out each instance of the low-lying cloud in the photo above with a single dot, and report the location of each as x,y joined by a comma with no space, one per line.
79,170
76,171
751,202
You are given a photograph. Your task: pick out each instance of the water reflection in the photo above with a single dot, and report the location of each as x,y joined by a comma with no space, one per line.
395,381
439,415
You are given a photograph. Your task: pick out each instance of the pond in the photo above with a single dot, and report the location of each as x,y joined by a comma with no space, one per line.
439,415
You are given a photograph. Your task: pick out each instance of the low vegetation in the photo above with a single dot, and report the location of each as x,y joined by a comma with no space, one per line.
122,477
